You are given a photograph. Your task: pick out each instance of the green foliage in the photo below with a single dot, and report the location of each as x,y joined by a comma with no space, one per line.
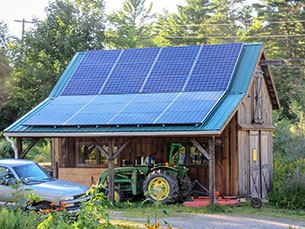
19,200
91,215
6,150
41,57
283,35
41,152
184,28
18,219
130,26
289,184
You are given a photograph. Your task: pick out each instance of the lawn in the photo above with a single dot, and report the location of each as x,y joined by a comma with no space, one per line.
140,210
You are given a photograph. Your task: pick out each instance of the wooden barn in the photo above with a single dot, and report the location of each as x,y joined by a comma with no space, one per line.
116,107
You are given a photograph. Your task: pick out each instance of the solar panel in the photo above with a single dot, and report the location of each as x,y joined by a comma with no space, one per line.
91,73
190,107
127,78
214,67
58,111
171,69
171,85
100,110
144,109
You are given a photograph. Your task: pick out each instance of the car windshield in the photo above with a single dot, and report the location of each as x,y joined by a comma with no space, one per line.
31,173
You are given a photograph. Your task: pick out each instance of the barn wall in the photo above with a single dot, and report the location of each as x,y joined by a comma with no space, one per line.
85,176
247,141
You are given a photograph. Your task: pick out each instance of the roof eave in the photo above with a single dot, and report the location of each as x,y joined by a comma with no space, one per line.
112,134
270,84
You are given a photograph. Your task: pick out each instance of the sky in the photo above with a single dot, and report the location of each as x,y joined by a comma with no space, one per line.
11,10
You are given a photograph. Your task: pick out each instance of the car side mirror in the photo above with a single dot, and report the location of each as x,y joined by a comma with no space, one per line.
11,181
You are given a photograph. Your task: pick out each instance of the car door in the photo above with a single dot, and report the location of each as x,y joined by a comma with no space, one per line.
6,190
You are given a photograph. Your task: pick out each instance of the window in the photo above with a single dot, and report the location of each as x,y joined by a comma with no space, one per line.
176,155
90,155
5,174
196,157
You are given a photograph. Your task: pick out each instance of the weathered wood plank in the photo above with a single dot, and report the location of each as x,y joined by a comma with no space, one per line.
233,158
225,162
111,169
212,171
19,146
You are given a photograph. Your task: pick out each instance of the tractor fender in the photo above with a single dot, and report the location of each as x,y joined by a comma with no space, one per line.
171,170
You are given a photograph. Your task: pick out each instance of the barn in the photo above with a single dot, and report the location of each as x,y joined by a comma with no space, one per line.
114,108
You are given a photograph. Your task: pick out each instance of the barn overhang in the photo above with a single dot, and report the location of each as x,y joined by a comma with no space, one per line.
112,134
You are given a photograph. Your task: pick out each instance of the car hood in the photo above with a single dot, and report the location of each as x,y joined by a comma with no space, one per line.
58,187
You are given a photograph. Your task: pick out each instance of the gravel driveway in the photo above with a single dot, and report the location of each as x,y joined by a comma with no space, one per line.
197,221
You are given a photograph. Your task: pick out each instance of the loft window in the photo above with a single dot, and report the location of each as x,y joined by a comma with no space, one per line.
258,98
90,155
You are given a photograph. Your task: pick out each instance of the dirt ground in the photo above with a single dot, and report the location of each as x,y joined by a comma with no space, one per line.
197,221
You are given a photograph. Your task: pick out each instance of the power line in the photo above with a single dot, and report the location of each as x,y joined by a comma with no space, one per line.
245,23
230,37
23,21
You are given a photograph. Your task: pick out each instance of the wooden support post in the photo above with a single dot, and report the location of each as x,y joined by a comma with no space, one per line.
53,159
34,141
120,149
100,148
19,146
111,169
212,171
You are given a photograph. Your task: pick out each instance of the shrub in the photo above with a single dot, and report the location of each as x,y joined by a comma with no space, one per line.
289,184
18,219
6,150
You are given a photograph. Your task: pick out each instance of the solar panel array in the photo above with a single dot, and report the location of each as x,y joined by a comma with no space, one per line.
169,85
127,109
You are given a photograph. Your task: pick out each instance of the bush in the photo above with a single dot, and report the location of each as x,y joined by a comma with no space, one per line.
18,219
6,150
289,184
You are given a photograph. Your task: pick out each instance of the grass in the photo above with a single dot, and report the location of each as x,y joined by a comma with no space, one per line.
139,210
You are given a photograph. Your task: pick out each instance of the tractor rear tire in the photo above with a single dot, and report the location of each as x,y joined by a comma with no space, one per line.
185,186
161,186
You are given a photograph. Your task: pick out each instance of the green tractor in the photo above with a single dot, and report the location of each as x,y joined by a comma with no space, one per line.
167,182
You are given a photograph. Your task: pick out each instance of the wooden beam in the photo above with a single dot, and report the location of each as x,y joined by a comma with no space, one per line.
212,171
200,148
100,148
34,141
111,170
120,149
19,146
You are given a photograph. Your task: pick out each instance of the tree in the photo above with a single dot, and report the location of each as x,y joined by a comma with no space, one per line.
40,60
130,27
229,21
283,35
5,72
186,27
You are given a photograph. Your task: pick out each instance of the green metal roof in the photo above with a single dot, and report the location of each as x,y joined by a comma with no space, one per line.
212,125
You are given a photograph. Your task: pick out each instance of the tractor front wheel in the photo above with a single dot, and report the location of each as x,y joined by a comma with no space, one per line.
161,186
118,195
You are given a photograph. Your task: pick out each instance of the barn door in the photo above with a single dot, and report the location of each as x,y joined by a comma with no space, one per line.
259,164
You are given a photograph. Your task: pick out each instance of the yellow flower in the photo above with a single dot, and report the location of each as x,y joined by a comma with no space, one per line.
158,225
